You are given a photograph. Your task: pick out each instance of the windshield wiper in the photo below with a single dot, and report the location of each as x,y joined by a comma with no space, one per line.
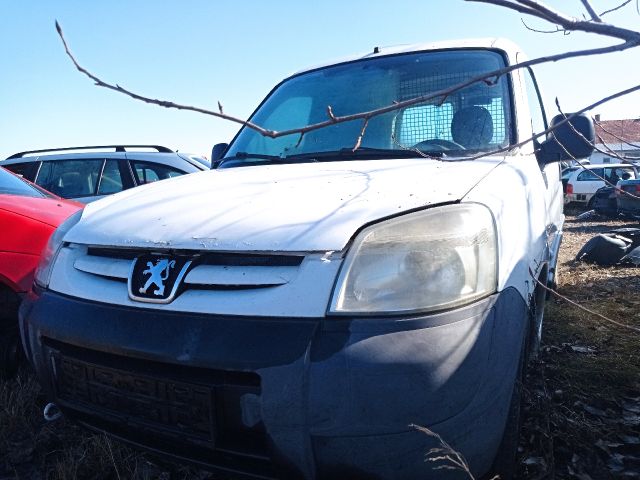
360,153
245,159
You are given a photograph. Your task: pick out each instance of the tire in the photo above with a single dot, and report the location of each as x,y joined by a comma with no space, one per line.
10,353
10,347
536,318
505,464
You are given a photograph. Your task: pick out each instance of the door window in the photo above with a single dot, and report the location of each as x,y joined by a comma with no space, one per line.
591,175
70,178
111,181
146,172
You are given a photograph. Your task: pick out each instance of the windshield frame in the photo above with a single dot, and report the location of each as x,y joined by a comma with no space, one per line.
511,128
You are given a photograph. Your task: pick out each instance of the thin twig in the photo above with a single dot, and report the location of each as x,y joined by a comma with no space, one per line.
599,124
359,140
162,103
557,30
446,453
615,8
631,39
113,460
565,120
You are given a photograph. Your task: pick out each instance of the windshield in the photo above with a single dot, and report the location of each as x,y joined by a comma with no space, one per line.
13,185
474,119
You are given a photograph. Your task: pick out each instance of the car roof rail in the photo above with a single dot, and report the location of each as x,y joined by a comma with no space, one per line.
118,148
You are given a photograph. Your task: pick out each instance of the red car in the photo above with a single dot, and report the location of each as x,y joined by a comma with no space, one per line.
28,217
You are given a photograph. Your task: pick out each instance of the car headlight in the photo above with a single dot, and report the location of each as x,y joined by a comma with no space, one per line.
50,252
430,260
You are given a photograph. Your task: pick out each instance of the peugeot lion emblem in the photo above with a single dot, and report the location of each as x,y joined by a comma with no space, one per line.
157,278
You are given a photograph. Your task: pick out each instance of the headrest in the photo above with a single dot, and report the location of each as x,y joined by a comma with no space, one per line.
472,127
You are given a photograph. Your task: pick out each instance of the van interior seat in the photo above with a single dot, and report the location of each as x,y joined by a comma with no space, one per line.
472,127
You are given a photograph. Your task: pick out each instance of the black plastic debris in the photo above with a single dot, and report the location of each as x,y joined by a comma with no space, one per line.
604,202
605,249
619,246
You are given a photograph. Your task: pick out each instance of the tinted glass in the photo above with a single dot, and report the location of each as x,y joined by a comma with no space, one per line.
70,178
612,175
111,181
146,172
26,169
12,185
476,118
591,175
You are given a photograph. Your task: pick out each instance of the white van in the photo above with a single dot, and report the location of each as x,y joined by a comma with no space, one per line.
293,312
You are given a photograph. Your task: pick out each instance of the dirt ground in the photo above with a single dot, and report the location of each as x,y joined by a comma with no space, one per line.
582,396
581,408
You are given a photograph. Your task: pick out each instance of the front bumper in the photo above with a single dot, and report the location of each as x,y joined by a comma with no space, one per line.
284,397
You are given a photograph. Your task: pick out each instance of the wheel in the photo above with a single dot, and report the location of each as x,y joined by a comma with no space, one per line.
536,314
437,142
10,353
505,464
10,347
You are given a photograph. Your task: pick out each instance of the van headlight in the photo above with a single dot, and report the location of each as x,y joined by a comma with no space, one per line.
435,259
50,252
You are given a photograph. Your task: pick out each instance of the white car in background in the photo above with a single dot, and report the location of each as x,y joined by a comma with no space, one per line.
583,182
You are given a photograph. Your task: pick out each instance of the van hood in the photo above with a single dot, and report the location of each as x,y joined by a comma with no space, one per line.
293,208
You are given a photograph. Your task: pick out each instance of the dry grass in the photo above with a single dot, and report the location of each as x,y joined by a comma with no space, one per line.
583,396
31,448
581,412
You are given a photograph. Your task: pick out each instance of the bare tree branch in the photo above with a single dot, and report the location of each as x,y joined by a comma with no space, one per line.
557,30
567,118
162,103
592,12
544,12
361,136
622,141
631,39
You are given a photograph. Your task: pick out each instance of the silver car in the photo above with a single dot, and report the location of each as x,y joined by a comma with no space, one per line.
88,173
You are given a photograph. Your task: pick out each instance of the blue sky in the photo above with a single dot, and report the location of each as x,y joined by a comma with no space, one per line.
200,52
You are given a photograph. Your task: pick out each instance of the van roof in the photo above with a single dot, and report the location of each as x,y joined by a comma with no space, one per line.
483,43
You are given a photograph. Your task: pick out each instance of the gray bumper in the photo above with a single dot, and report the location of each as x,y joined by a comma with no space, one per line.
274,397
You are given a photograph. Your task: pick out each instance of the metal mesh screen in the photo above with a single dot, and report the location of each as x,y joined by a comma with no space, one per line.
433,121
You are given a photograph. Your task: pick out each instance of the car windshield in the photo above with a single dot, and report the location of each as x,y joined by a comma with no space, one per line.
462,123
13,185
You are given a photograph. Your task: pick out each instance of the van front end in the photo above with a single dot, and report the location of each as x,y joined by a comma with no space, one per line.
283,397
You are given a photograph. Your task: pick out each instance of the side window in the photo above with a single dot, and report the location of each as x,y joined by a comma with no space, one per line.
111,181
536,107
70,178
26,169
612,175
591,175
147,172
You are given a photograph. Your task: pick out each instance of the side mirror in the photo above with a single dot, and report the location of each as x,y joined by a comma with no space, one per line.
571,140
217,153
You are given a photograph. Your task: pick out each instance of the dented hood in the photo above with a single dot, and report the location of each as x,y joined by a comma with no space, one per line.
304,207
